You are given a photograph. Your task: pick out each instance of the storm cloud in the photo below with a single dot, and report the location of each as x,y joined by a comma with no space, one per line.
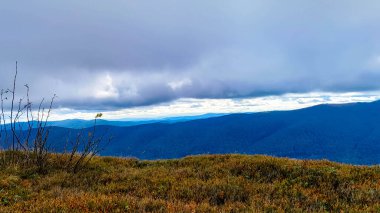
118,54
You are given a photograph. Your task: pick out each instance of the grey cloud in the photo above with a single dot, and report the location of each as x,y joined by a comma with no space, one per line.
105,55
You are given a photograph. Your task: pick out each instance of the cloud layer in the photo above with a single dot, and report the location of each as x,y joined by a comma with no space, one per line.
118,54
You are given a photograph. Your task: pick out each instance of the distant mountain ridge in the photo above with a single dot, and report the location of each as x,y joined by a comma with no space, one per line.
348,133
81,123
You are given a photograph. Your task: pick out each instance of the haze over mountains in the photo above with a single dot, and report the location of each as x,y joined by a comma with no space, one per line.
81,123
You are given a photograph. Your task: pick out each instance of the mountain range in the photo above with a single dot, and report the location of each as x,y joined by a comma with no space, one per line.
348,133
81,123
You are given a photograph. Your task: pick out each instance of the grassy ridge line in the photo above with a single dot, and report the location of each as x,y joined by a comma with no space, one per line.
208,183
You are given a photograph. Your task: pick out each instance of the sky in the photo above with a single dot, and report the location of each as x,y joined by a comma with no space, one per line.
144,59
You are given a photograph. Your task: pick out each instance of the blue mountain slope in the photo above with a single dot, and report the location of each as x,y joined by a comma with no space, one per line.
347,133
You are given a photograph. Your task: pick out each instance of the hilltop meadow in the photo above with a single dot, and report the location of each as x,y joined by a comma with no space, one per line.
207,183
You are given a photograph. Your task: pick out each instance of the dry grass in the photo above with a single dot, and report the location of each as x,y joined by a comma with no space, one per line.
213,183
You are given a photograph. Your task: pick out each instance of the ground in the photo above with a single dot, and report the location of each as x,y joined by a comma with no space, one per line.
208,183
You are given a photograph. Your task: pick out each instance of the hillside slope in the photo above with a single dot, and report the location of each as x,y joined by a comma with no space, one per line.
213,183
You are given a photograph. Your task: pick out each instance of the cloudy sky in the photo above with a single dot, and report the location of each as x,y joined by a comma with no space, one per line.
167,57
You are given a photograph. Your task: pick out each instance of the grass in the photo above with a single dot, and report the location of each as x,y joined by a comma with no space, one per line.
209,183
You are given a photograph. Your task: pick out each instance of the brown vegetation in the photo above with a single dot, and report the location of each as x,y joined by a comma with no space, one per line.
214,183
